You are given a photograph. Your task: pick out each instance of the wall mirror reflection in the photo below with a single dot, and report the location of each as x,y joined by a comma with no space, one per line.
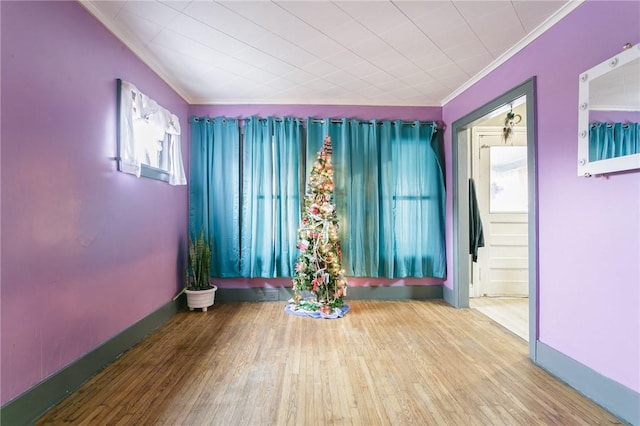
609,115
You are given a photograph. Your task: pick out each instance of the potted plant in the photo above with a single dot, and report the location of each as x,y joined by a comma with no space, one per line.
200,292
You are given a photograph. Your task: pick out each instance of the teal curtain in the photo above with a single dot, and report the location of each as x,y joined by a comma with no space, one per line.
418,202
214,190
389,195
270,196
610,140
362,198
357,193
387,201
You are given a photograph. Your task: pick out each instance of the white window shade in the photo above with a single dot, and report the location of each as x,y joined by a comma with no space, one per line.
149,137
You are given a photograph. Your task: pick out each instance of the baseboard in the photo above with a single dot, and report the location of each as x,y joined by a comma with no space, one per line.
231,295
32,404
448,296
226,295
618,399
405,292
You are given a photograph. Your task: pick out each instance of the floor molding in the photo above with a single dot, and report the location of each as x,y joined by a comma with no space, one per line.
618,399
32,404
416,292
449,297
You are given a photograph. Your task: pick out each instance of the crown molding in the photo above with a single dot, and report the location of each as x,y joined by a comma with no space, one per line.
566,9
310,101
146,59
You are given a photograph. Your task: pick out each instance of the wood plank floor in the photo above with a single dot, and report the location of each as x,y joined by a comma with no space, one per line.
510,312
384,363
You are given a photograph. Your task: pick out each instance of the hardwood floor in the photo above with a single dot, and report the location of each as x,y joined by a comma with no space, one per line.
384,363
510,312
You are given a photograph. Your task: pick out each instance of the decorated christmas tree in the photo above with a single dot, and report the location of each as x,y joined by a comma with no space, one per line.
319,282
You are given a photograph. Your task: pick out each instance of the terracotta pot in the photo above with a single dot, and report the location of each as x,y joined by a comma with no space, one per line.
201,298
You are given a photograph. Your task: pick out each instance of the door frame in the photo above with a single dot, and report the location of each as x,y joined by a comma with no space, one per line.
459,295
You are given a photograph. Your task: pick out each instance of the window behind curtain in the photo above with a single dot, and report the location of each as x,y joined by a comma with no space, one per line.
418,201
214,190
270,196
389,196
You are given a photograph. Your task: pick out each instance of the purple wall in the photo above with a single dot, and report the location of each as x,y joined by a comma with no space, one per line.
321,111
86,251
589,244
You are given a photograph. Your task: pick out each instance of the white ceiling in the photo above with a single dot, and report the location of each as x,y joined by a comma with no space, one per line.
413,53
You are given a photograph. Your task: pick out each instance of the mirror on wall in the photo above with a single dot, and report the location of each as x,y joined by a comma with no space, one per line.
609,115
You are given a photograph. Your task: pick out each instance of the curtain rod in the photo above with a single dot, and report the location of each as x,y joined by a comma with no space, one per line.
339,121
370,122
439,125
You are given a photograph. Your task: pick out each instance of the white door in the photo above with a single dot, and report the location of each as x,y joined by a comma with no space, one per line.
500,173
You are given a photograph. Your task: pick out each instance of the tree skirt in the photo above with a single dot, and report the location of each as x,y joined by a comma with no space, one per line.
294,309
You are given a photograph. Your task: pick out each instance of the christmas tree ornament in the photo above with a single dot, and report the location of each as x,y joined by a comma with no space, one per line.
319,283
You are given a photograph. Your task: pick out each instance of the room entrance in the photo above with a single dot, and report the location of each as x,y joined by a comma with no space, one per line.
503,171
499,281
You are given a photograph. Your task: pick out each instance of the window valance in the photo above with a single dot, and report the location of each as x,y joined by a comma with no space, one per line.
149,137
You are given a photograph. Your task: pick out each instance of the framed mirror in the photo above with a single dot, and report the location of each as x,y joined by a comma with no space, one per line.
609,115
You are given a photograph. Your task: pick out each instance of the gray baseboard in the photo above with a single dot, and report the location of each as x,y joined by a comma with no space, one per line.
407,292
32,404
618,399
230,295
449,296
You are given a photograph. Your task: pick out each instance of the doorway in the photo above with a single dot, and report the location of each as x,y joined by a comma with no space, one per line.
462,138
499,284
